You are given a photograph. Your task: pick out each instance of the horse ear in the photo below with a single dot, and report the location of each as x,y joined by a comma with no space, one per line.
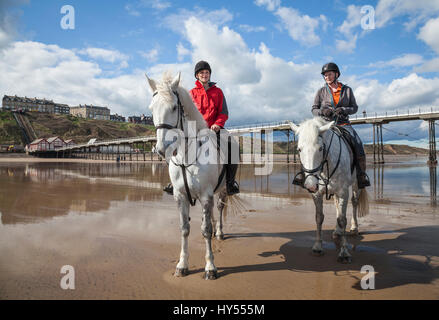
294,127
175,82
151,84
326,127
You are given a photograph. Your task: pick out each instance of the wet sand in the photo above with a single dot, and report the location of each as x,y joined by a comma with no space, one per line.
128,249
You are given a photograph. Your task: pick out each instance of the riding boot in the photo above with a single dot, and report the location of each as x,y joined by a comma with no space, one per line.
363,179
169,189
231,184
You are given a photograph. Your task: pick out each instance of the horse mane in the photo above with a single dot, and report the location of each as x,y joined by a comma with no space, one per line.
309,129
190,110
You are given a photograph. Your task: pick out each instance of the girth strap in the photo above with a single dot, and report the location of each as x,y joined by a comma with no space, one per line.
186,186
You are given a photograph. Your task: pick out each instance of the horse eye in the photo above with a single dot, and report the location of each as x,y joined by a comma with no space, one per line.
298,149
321,148
174,108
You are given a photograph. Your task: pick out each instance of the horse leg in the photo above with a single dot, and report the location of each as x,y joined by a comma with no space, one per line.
207,230
354,221
222,199
182,266
317,248
340,230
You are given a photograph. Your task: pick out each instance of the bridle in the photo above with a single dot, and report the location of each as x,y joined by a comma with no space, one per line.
179,124
317,172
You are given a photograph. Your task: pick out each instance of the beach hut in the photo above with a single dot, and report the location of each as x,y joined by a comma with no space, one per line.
69,143
55,143
39,145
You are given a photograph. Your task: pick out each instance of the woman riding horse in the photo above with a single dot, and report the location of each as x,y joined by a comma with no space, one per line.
211,103
336,101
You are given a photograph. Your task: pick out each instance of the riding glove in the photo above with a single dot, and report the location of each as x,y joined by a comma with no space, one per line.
339,111
327,112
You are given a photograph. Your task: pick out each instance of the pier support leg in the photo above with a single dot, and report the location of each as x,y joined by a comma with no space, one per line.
432,158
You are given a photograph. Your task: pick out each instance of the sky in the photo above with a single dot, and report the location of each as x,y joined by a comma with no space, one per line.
266,55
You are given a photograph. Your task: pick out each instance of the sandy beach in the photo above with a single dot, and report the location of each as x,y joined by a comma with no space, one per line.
128,249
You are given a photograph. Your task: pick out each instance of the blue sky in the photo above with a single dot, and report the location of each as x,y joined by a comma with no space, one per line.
265,54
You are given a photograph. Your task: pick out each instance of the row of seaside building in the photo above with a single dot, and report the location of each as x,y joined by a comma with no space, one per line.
15,103
53,143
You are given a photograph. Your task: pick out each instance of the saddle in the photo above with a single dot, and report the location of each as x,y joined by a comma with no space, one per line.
350,141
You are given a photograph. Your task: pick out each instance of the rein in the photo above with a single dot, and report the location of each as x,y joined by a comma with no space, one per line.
179,125
320,167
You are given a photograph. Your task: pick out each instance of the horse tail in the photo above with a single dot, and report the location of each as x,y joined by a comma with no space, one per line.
234,205
363,203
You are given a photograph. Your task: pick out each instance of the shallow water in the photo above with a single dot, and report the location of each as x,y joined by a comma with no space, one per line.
31,192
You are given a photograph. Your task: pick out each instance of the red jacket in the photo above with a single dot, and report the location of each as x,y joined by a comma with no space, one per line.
211,103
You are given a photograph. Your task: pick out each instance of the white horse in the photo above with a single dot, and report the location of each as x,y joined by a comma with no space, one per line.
172,108
326,162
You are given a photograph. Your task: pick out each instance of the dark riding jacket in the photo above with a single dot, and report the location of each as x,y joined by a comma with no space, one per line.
323,99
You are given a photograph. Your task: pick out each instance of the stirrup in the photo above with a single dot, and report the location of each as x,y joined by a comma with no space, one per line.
232,188
299,179
363,181
169,189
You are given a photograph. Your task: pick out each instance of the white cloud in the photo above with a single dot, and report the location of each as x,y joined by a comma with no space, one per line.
271,5
221,47
418,11
346,46
8,20
155,4
176,21
134,9
429,33
429,66
258,85
412,91
353,20
47,71
301,28
104,54
249,28
151,55
131,10
182,51
405,60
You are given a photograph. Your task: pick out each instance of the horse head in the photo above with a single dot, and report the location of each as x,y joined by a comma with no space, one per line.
166,110
311,148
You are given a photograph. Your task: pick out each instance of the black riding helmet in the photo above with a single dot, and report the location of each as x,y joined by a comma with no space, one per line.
202,65
331,66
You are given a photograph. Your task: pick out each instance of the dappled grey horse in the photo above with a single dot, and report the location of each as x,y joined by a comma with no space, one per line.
174,115
327,165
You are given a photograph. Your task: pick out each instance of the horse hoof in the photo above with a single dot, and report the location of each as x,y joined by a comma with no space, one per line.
181,272
210,275
353,232
318,253
344,260
220,237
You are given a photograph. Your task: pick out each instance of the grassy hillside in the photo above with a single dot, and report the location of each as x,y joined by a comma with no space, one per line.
10,132
69,127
